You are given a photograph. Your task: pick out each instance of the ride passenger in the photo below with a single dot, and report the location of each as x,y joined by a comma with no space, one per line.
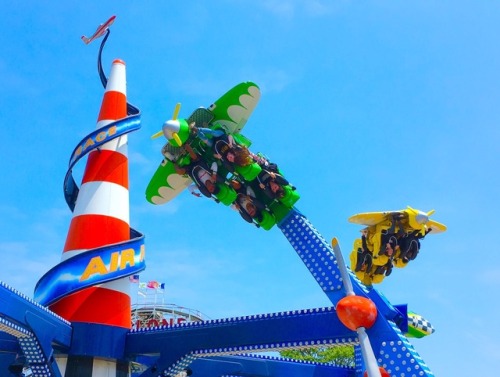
363,255
231,153
205,134
388,238
272,184
246,203
409,246
203,176
222,145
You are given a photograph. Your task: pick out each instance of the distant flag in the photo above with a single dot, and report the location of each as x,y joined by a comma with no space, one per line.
162,286
134,279
142,285
153,284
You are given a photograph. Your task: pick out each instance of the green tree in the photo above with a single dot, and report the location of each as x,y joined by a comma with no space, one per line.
342,356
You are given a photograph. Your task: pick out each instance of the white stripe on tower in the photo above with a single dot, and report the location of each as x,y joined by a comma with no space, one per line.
101,216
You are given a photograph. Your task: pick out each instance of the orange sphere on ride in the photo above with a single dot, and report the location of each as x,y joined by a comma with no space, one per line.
356,311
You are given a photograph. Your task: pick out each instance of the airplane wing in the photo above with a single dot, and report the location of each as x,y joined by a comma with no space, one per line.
371,218
166,184
436,227
231,111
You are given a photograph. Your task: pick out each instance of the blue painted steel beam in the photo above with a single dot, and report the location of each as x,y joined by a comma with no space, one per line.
34,317
255,366
177,346
38,331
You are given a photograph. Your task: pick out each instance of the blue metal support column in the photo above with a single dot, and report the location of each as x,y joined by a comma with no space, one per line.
317,255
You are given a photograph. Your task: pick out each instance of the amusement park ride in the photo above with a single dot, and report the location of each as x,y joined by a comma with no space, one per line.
81,322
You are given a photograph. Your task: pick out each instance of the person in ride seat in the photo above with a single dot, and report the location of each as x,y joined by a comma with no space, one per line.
204,177
272,183
380,272
389,243
207,135
246,202
389,236
363,261
231,153
409,245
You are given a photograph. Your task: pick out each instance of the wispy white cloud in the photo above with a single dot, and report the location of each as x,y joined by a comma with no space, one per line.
289,9
275,80
197,86
13,248
284,9
271,78
139,158
317,8
25,263
13,81
490,276
485,342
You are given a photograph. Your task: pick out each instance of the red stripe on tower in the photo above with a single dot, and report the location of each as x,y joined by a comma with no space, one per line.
101,216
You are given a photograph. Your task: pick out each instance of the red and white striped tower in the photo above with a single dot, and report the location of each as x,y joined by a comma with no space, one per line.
101,217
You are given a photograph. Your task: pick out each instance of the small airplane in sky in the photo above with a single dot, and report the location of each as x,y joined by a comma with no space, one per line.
100,31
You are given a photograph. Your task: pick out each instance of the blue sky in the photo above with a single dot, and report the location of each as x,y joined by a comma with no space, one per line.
366,106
